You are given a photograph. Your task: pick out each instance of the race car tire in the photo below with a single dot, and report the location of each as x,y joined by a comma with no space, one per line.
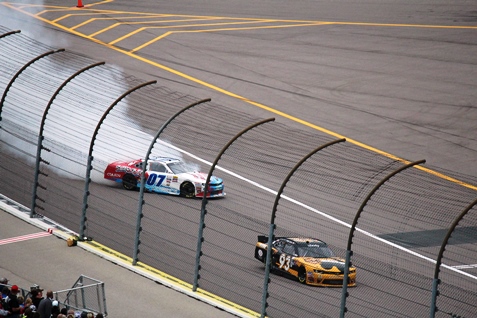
302,275
187,190
129,182
273,265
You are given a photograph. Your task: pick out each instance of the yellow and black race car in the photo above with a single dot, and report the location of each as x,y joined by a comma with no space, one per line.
310,260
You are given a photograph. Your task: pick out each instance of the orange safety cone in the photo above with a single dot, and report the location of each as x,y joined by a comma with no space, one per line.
80,4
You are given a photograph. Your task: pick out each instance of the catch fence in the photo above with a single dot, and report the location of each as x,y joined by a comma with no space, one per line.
64,117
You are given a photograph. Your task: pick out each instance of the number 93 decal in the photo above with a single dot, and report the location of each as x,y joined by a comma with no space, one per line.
285,261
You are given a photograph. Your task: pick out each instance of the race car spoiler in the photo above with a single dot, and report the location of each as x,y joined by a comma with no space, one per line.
263,238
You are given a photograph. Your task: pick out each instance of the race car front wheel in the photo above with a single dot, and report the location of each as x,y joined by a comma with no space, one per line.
129,182
187,190
302,275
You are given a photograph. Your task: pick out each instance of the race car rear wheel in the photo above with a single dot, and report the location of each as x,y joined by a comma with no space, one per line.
187,190
129,182
273,267
302,275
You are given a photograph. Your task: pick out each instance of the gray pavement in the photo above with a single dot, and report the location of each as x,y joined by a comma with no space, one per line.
50,263
405,89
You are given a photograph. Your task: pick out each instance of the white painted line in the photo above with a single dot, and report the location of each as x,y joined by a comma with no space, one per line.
332,218
470,266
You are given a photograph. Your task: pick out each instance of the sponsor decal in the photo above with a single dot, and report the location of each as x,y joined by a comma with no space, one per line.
175,179
113,175
133,171
309,276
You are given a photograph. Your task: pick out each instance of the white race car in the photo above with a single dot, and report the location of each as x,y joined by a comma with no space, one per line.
164,175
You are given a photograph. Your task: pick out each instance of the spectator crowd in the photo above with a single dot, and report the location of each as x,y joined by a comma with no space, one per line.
16,303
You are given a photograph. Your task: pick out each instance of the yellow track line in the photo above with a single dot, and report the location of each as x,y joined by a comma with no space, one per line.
201,31
170,27
272,110
161,276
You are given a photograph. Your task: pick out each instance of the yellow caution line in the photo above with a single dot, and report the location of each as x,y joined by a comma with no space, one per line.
272,110
171,280
169,27
133,23
86,8
214,30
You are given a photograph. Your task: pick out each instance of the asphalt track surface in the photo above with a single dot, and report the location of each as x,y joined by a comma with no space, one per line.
390,76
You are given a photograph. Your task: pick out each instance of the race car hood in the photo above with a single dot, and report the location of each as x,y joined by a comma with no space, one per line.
125,163
201,177
333,264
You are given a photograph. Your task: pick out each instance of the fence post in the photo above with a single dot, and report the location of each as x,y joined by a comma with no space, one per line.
266,280
436,281
40,134
137,241
90,155
349,252
200,237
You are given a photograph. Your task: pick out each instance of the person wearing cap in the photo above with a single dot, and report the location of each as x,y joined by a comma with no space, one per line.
13,302
55,309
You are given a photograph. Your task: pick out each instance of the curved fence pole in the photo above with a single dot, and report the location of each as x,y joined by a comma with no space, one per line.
272,221
137,241
349,252
40,137
203,211
24,67
9,33
436,281
90,155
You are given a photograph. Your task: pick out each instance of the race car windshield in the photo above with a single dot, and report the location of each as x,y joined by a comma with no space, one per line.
178,167
315,251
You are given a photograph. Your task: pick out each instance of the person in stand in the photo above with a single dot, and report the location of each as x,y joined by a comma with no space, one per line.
27,304
55,309
5,291
46,305
13,304
21,302
3,283
36,296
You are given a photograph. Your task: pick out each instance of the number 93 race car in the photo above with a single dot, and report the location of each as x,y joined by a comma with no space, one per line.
164,175
310,260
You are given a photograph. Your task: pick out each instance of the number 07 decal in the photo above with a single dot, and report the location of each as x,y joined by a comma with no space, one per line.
152,179
284,262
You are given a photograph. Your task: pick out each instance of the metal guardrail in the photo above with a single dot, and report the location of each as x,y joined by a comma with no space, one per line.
86,294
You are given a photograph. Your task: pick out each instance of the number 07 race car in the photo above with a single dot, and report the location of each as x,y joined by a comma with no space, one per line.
309,260
164,175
